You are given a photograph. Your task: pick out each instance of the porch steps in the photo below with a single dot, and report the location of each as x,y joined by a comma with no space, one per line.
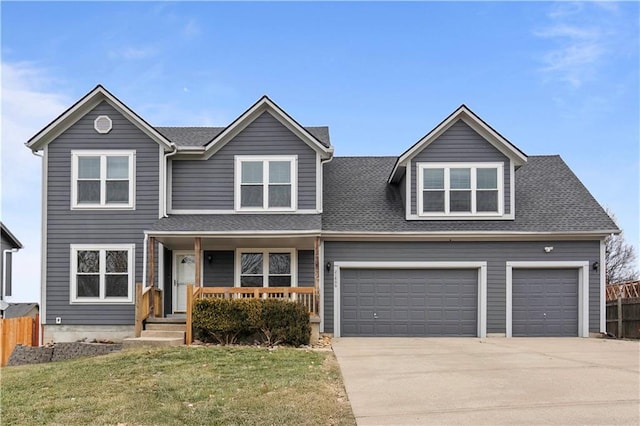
167,332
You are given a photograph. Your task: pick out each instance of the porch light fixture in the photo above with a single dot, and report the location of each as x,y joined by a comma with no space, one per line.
209,259
328,266
595,266
548,249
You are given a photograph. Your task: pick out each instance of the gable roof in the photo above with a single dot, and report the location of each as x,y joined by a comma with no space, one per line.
549,200
10,237
82,107
465,114
200,136
264,104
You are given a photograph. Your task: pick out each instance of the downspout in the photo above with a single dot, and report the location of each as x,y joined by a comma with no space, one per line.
4,269
166,180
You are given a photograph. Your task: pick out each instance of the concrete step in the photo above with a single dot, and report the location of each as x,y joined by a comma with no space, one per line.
178,334
165,327
167,320
134,342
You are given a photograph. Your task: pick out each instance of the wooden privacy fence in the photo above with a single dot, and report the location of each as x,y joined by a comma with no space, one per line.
623,317
18,331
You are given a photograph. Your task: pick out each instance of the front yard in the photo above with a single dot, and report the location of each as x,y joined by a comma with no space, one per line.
182,385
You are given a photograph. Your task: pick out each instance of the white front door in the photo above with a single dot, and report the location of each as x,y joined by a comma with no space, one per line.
184,272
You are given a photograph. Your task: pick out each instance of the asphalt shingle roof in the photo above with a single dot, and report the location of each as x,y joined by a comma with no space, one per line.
200,136
239,222
549,198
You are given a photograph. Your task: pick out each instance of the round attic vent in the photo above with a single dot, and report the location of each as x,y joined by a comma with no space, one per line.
102,124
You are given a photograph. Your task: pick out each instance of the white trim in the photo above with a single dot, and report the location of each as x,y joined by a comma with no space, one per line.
293,253
482,284
84,105
169,200
408,189
264,104
583,290
603,284
439,235
472,120
446,167
512,190
161,181
43,239
103,154
226,234
74,248
214,212
6,270
266,159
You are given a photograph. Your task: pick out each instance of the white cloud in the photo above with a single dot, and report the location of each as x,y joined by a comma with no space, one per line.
577,37
131,52
27,106
192,29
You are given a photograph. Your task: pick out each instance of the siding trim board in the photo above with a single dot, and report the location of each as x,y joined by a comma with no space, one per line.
583,290
482,284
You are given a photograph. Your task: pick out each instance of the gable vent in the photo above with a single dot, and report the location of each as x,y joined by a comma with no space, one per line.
102,124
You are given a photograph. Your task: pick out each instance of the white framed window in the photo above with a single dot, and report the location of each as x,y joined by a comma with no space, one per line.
266,268
460,189
102,179
102,273
266,183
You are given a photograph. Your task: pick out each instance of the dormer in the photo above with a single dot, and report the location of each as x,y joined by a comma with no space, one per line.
263,162
463,169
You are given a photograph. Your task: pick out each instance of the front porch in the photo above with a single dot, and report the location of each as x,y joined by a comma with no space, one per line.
181,269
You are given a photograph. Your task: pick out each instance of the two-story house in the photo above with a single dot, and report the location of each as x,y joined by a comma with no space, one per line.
461,235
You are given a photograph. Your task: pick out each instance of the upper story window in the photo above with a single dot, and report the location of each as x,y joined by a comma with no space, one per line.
459,189
102,273
103,179
266,183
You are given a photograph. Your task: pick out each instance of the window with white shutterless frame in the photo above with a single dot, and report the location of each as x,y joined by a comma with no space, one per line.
266,183
103,179
276,267
460,189
102,273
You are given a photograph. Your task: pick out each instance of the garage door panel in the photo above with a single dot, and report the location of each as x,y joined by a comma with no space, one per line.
545,302
409,302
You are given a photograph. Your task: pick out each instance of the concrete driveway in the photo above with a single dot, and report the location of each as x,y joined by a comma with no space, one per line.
493,381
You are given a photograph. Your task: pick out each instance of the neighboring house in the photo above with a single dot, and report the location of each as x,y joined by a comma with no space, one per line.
16,310
461,235
9,245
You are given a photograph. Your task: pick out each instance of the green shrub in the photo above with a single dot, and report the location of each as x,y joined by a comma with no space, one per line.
227,321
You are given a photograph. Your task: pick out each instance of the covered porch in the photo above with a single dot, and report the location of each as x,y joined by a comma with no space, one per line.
180,268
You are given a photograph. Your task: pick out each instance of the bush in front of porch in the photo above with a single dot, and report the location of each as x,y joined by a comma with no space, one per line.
272,322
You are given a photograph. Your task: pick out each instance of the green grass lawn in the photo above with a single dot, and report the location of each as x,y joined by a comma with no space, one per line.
181,385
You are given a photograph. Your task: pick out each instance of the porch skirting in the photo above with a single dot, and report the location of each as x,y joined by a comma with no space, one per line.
73,333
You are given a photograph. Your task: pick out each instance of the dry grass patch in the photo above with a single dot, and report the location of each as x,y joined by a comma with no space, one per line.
183,385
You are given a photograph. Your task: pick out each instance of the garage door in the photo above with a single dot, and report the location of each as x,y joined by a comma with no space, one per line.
408,302
545,302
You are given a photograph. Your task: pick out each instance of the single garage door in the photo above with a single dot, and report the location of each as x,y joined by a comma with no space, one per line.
408,302
545,302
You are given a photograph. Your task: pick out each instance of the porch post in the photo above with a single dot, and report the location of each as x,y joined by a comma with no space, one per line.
316,273
197,247
151,269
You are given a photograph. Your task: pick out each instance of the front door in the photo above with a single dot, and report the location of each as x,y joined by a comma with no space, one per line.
184,272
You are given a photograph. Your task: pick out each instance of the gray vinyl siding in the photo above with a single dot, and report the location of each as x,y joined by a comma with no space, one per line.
460,143
66,227
305,268
496,254
218,272
209,184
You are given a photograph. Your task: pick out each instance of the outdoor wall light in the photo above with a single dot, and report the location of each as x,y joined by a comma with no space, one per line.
328,266
595,266
209,258
548,249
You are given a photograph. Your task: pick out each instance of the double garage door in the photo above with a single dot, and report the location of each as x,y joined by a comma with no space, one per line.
444,302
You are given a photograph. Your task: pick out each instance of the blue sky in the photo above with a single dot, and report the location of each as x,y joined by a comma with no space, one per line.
554,78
